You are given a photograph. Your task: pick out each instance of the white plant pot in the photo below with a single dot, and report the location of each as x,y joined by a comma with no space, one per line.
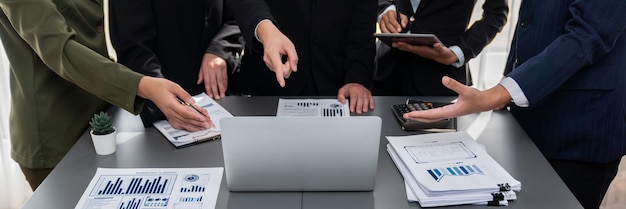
104,144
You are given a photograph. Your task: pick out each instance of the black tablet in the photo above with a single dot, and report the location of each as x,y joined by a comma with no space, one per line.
414,39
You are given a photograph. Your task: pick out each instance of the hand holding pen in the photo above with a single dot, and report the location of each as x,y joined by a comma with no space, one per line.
393,21
198,110
163,93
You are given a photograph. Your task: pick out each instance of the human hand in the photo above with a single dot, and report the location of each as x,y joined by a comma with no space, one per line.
470,100
275,46
436,52
163,93
389,22
361,97
213,74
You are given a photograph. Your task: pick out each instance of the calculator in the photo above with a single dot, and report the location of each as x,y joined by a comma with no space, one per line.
416,105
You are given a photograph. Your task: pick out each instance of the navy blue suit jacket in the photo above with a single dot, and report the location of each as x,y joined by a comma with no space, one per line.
569,58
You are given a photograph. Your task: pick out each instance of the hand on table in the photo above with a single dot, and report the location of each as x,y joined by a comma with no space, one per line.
361,98
213,72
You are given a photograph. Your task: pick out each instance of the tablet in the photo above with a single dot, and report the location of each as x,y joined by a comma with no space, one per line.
414,39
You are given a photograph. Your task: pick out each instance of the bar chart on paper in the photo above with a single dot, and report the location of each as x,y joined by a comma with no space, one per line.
133,184
460,170
152,188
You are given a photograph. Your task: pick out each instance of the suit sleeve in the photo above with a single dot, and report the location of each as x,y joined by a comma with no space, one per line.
360,48
133,33
248,13
46,31
591,33
483,31
228,42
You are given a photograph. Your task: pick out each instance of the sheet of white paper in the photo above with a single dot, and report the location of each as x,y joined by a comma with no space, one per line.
151,188
312,108
181,137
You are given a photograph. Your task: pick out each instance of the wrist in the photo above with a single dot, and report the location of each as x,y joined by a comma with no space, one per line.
264,30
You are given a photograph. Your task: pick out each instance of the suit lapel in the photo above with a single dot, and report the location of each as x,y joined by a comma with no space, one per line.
422,5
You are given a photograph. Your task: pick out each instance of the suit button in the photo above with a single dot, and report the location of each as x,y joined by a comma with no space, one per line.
100,28
516,61
524,23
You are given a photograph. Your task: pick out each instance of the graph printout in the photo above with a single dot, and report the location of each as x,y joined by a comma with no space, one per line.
312,108
153,188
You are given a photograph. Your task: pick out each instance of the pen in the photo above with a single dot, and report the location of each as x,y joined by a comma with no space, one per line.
186,103
192,107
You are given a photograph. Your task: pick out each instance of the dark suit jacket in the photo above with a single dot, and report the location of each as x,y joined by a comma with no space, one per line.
168,38
404,73
569,58
334,41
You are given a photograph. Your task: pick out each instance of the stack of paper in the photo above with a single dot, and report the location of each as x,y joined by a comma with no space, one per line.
450,169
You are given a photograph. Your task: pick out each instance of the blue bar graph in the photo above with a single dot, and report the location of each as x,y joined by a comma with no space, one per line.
132,204
123,185
193,188
460,170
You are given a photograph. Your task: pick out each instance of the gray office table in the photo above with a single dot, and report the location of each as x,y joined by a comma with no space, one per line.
503,138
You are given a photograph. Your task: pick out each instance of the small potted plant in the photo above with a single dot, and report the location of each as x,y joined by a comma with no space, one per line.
103,133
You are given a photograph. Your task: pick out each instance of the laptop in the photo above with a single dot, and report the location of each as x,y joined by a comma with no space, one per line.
267,153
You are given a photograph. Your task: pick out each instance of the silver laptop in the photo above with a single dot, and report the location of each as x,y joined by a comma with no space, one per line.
266,153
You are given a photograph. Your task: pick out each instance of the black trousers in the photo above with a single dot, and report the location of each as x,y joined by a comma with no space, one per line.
587,181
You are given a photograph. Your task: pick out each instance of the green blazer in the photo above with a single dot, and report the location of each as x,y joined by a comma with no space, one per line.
59,75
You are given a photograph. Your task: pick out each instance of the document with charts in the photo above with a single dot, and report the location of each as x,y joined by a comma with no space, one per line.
450,169
312,108
181,138
152,188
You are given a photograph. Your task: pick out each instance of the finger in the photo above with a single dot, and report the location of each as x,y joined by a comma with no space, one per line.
292,58
453,85
341,97
275,64
359,104
404,20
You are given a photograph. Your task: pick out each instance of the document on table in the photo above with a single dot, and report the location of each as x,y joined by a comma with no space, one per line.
181,138
450,169
151,188
312,108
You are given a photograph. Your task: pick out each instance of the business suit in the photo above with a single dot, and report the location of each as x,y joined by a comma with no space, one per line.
59,76
168,38
568,59
405,73
333,40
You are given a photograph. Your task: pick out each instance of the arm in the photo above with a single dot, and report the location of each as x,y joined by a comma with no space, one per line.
589,34
472,41
359,57
255,20
483,31
57,44
221,55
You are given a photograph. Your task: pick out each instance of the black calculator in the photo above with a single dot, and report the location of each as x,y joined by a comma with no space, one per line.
415,105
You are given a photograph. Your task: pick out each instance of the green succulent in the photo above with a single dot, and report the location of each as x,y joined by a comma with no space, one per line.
101,124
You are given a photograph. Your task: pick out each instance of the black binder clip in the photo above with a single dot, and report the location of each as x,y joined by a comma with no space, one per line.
497,197
504,187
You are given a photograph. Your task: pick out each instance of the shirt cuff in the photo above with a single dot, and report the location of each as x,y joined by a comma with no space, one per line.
392,7
459,54
515,91
257,27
